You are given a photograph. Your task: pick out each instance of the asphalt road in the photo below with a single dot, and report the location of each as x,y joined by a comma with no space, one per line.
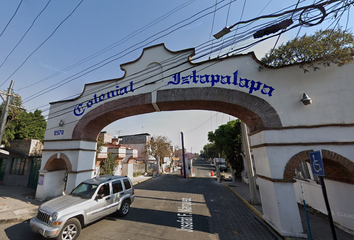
171,207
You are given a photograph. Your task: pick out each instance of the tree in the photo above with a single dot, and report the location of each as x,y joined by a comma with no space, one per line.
22,125
158,147
178,153
227,140
13,114
209,151
100,143
30,125
108,165
323,48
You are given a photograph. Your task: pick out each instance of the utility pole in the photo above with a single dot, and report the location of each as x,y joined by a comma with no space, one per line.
184,160
246,148
5,110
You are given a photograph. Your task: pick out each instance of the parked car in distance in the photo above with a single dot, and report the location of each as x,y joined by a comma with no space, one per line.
222,167
93,199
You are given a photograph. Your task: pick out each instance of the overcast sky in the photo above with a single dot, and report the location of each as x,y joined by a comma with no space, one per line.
72,42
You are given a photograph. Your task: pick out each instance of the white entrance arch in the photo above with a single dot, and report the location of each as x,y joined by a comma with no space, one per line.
267,100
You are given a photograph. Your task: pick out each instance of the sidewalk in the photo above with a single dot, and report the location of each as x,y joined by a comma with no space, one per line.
17,204
319,223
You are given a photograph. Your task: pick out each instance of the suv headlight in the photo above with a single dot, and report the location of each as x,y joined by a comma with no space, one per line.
35,215
53,217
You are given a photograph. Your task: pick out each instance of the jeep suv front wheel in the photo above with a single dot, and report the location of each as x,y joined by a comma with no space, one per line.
124,209
71,230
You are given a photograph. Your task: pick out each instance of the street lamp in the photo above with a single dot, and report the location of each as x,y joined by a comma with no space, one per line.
265,31
221,33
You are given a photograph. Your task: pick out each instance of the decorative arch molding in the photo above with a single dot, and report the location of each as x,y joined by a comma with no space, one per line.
337,167
257,113
60,162
130,160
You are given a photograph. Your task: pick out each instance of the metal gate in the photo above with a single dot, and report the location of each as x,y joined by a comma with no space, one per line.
33,178
3,162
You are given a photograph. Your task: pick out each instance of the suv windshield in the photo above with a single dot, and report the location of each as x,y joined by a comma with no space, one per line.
84,190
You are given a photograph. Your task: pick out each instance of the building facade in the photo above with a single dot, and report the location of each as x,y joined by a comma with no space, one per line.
20,163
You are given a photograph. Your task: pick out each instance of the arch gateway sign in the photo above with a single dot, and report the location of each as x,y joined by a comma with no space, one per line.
282,129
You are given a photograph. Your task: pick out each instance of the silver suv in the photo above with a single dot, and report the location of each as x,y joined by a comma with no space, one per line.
63,217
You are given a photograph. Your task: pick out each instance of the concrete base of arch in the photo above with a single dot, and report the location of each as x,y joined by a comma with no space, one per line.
278,196
79,157
50,184
280,208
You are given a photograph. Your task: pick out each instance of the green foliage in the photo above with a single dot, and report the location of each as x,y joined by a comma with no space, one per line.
227,140
100,143
209,151
108,165
22,125
323,48
13,114
158,147
30,125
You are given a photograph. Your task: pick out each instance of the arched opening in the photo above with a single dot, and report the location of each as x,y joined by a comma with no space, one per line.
339,180
337,167
56,164
58,167
254,111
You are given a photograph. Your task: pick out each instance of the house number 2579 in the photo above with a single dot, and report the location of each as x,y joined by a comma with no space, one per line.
58,132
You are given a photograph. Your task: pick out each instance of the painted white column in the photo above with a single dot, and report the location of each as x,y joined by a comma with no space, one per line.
280,208
278,198
83,167
128,169
50,184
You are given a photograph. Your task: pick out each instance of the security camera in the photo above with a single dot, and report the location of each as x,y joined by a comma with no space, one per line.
306,100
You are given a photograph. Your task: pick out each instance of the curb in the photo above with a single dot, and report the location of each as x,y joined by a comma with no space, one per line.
142,181
258,213
14,220
253,209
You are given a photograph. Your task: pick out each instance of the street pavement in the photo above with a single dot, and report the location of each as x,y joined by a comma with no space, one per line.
161,211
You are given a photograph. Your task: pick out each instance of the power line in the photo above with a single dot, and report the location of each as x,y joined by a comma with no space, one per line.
25,33
8,23
159,80
239,48
102,62
243,10
212,24
115,44
260,40
43,42
276,42
122,52
227,19
107,60
60,113
202,123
